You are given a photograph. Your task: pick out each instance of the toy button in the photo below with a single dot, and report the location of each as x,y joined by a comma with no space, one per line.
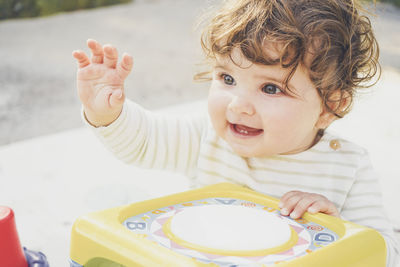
324,237
335,144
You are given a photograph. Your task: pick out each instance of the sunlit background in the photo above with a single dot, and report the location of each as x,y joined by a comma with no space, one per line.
51,169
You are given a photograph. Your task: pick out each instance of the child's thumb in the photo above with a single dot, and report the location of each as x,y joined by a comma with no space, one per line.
117,98
125,66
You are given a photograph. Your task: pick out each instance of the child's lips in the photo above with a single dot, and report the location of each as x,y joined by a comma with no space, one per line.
244,130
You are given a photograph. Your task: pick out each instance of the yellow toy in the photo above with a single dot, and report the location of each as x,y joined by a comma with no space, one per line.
167,232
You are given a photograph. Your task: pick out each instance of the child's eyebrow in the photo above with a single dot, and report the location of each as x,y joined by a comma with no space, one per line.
218,66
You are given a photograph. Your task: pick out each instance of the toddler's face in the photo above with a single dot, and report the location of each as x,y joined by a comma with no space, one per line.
250,110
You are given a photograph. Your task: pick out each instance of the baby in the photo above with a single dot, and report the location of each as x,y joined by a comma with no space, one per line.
281,72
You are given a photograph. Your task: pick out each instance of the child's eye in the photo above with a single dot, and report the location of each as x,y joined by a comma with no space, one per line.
228,79
271,89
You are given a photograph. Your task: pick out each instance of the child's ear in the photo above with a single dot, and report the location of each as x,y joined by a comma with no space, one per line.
338,104
325,119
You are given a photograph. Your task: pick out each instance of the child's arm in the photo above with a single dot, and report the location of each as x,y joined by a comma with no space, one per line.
133,134
296,203
363,205
100,82
155,140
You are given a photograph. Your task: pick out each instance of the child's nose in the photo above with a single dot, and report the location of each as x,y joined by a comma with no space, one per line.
241,105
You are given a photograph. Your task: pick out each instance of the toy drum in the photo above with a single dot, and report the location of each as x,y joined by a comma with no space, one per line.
220,225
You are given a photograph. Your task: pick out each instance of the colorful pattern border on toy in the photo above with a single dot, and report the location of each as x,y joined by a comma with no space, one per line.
137,235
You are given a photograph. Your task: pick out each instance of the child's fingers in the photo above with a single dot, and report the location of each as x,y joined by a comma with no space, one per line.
286,196
324,206
296,203
117,98
289,201
103,99
81,57
97,51
110,56
125,66
302,206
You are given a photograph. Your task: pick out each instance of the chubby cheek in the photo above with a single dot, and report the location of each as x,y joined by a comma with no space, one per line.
288,124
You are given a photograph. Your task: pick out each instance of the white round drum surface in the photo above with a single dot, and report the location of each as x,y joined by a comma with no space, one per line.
230,227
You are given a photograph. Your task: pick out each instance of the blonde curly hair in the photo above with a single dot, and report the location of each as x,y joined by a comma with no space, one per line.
339,38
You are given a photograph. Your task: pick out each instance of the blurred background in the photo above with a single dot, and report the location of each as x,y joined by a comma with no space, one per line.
37,71
52,170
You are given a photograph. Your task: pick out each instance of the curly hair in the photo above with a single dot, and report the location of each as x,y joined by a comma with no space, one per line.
338,37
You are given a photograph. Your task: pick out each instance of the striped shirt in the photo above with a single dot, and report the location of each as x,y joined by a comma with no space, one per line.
334,167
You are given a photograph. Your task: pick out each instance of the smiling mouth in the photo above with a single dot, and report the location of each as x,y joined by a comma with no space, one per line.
245,131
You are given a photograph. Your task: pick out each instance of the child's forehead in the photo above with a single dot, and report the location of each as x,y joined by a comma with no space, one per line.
237,57
272,52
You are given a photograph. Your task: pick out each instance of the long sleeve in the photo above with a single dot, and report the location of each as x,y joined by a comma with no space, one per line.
363,205
154,140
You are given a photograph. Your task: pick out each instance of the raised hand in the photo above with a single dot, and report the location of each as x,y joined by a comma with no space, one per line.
296,203
100,82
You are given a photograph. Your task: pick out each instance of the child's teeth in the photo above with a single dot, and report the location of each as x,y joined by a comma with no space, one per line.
243,131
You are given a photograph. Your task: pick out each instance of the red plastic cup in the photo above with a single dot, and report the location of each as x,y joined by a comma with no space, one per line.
11,252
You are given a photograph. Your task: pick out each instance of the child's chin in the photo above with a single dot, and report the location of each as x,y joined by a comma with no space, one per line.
245,152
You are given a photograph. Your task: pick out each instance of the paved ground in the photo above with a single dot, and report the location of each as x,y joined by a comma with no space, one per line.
62,173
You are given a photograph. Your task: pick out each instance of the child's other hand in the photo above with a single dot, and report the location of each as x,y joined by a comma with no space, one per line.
296,203
100,82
